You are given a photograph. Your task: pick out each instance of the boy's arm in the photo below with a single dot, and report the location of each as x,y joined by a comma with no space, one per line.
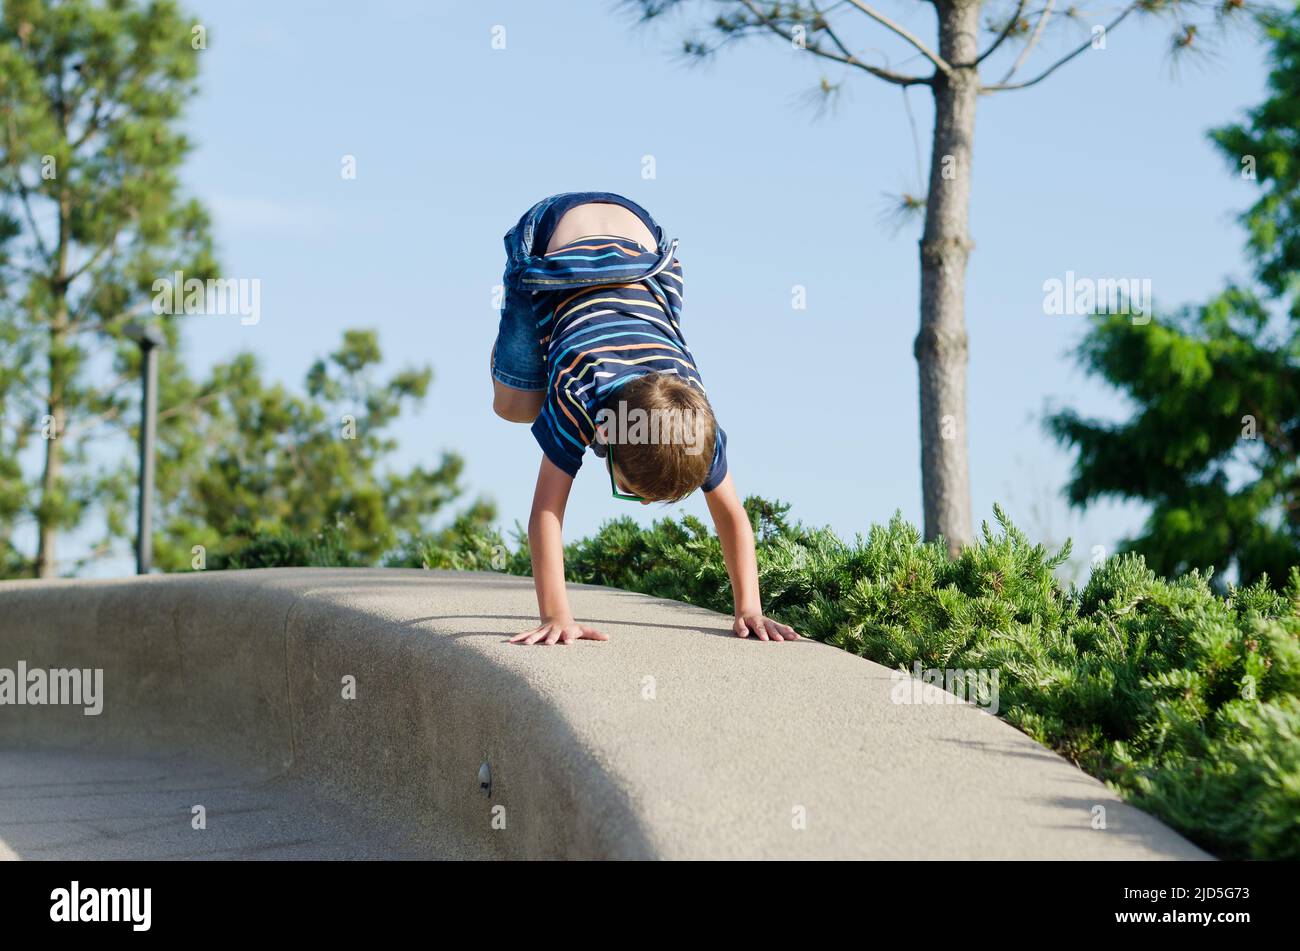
546,542
737,538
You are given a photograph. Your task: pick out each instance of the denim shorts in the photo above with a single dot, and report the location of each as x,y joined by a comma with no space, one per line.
518,360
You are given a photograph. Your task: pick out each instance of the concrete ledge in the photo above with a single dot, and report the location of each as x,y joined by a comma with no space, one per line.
674,739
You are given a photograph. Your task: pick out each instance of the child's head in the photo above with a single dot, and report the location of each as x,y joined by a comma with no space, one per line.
663,433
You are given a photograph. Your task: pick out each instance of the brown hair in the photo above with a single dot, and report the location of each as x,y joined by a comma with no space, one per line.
670,456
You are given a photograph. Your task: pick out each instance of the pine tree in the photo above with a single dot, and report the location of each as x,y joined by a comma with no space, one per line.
956,72
91,212
1214,443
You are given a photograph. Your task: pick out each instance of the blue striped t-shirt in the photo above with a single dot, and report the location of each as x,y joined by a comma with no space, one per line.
602,322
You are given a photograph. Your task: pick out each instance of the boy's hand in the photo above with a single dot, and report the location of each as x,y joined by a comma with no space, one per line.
558,630
765,628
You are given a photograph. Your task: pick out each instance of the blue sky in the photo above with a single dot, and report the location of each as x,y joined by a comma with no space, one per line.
1103,169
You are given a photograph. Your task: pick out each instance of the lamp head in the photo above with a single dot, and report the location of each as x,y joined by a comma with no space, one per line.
146,335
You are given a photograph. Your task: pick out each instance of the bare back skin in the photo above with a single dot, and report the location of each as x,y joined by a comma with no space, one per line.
600,218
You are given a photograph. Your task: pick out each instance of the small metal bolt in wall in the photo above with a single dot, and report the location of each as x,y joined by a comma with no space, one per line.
485,778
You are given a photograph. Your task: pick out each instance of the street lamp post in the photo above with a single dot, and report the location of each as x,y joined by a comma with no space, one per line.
150,339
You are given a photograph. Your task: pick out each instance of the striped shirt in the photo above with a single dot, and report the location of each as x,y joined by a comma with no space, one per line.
608,329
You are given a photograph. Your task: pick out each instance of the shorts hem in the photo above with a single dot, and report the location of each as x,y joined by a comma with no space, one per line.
518,383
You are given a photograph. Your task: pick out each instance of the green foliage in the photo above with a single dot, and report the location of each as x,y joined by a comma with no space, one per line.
278,547
469,543
91,213
1267,143
1213,442
1184,700
248,463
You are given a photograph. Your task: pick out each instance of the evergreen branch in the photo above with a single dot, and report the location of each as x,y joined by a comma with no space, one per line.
1085,45
189,404
848,59
87,423
93,259
1039,27
1006,31
939,63
23,192
824,25
109,93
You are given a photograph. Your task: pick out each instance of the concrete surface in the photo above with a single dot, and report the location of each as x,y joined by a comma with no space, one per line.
674,739
59,804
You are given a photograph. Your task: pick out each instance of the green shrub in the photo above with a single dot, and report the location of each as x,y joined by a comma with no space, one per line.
257,547
465,545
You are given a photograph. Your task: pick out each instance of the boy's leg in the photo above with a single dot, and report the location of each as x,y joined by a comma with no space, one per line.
511,403
517,363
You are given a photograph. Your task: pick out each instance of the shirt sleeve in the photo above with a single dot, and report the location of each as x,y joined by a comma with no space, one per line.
718,471
559,439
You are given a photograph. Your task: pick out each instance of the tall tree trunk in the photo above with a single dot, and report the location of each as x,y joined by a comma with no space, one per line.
52,476
945,246
52,502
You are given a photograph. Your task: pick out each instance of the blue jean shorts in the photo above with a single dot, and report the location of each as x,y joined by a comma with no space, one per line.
518,360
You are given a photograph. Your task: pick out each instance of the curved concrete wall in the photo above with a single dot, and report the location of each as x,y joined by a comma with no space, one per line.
674,739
